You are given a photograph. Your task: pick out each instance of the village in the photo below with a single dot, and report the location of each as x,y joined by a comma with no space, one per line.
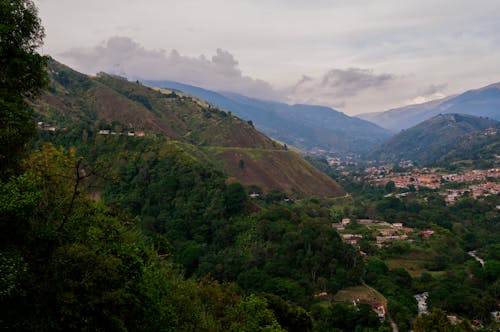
472,183
385,233
130,133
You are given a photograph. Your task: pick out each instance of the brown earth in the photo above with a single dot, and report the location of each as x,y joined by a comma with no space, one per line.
276,169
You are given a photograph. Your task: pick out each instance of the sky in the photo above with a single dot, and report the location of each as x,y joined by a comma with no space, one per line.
357,56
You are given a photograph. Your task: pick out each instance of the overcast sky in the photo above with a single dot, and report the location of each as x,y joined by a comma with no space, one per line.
357,56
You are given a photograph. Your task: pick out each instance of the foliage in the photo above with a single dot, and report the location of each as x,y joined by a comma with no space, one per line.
436,321
71,264
346,317
22,76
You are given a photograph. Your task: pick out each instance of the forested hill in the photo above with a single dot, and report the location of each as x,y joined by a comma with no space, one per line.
97,102
79,106
444,136
483,102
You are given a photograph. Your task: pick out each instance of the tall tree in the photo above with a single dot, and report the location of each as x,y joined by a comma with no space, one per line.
22,77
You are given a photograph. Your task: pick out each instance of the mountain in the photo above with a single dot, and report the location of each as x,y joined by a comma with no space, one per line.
79,107
483,102
434,139
312,128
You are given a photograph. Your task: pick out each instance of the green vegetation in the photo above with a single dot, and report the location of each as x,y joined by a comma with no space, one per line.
22,77
170,242
439,264
444,138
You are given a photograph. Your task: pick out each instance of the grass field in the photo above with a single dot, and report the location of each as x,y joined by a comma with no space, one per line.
413,262
358,292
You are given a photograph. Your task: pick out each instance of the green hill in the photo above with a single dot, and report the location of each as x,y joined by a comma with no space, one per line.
78,106
435,139
275,169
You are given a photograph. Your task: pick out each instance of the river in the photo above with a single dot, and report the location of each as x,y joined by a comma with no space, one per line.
473,254
422,302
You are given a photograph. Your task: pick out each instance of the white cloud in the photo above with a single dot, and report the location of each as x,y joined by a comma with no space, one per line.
123,56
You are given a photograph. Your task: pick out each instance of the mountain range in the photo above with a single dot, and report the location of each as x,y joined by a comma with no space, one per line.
484,102
445,137
80,106
316,129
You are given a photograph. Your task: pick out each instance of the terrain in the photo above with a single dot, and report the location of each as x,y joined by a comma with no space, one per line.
316,129
483,102
78,106
444,137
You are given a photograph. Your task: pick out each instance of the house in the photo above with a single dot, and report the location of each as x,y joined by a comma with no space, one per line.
387,232
398,225
131,133
427,233
379,310
104,132
346,221
338,227
320,295
254,195
352,238
139,134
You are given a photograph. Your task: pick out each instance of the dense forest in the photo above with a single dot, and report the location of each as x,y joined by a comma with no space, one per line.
125,233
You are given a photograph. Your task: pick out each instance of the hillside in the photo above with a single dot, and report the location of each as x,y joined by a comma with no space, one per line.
312,128
79,106
275,169
484,102
433,139
101,101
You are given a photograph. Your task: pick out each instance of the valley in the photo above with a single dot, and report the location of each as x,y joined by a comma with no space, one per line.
130,201
323,234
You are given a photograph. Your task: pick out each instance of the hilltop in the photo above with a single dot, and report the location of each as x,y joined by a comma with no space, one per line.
79,106
484,102
311,128
436,139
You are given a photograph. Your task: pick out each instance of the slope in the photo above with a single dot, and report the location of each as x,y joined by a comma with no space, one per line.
79,107
275,169
483,102
308,127
433,139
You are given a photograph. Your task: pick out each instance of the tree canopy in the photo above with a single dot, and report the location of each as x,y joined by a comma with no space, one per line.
22,77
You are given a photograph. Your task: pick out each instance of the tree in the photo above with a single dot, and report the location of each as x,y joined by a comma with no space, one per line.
235,197
436,321
390,186
22,77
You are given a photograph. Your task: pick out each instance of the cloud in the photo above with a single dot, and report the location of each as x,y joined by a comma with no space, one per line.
350,90
433,89
349,82
123,56
431,92
337,86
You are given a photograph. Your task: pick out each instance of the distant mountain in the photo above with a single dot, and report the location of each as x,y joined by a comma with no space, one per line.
307,127
483,102
435,139
78,107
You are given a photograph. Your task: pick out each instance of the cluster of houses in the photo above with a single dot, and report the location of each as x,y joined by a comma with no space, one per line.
129,133
473,175
386,232
46,126
475,190
427,178
485,183
417,180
